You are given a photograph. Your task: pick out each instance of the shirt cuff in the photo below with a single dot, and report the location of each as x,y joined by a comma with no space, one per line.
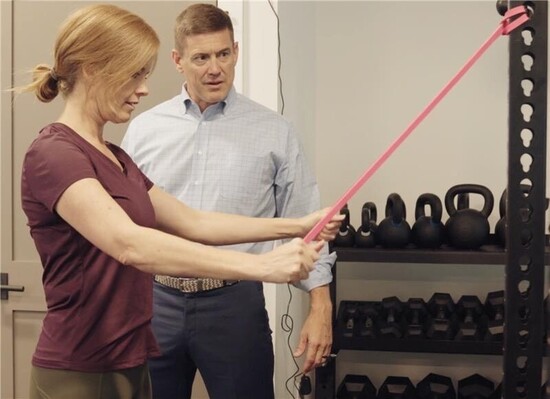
320,275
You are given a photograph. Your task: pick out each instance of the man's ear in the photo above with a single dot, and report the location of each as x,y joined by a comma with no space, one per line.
236,49
176,57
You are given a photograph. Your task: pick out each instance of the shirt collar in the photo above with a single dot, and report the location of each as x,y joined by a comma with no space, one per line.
224,104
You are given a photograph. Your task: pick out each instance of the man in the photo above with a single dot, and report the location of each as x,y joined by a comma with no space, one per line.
217,150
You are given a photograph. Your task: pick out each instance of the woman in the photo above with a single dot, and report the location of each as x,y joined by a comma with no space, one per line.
102,228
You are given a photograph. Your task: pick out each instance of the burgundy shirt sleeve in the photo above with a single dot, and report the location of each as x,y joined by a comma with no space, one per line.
52,165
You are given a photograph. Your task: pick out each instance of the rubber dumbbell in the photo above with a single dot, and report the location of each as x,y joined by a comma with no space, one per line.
443,323
355,386
395,387
436,386
494,309
349,316
391,324
417,318
470,312
368,314
475,387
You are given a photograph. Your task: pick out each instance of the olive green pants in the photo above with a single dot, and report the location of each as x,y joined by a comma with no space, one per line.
133,383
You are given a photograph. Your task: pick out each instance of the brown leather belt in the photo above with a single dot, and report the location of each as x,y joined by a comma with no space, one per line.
192,285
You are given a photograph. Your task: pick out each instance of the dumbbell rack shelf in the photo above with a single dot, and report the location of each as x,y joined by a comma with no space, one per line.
491,254
417,345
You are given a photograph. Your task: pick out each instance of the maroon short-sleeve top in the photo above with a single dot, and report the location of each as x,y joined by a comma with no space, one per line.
98,310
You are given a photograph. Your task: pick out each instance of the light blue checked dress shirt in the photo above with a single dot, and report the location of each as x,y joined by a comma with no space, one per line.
236,157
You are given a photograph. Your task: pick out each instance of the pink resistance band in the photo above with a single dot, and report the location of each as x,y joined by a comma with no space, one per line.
505,27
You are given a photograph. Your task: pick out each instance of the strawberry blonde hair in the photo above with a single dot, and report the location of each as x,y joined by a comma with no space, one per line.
106,40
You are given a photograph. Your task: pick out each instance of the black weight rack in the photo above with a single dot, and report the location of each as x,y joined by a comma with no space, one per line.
523,348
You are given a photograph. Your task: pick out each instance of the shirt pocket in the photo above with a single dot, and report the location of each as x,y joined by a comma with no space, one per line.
246,182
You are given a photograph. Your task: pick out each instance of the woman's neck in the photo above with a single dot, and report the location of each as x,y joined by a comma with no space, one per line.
75,116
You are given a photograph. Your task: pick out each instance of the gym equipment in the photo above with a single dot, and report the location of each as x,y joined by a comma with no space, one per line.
428,231
346,233
394,231
494,309
443,323
355,386
396,387
475,387
470,312
349,315
365,236
417,317
391,325
468,228
435,386
368,315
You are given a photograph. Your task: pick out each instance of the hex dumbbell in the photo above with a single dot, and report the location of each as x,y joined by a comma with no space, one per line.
349,316
391,324
355,386
395,387
470,313
494,308
443,323
416,317
475,387
368,314
436,386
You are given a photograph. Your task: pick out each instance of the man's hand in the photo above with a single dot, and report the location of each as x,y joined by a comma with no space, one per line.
316,334
329,231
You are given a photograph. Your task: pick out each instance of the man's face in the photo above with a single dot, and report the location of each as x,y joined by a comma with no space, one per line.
208,64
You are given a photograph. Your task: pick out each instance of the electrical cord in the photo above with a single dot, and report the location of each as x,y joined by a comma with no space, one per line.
287,325
287,322
279,57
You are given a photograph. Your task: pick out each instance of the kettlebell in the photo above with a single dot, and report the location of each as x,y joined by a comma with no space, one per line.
365,235
468,228
428,231
394,231
346,234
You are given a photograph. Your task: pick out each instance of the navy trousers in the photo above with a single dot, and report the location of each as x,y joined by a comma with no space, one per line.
224,333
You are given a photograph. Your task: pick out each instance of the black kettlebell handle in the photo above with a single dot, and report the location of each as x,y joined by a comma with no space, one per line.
433,201
469,188
395,208
368,213
345,223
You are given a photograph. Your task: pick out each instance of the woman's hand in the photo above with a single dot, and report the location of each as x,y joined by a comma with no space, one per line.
329,230
290,262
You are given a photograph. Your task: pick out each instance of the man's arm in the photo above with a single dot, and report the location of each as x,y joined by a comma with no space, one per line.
297,194
316,334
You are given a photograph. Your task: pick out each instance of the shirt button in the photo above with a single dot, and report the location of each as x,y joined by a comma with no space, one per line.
196,182
199,152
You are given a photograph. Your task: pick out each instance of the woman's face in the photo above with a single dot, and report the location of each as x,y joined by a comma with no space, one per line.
116,105
128,96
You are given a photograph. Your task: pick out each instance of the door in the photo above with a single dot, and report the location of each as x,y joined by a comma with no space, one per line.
28,30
